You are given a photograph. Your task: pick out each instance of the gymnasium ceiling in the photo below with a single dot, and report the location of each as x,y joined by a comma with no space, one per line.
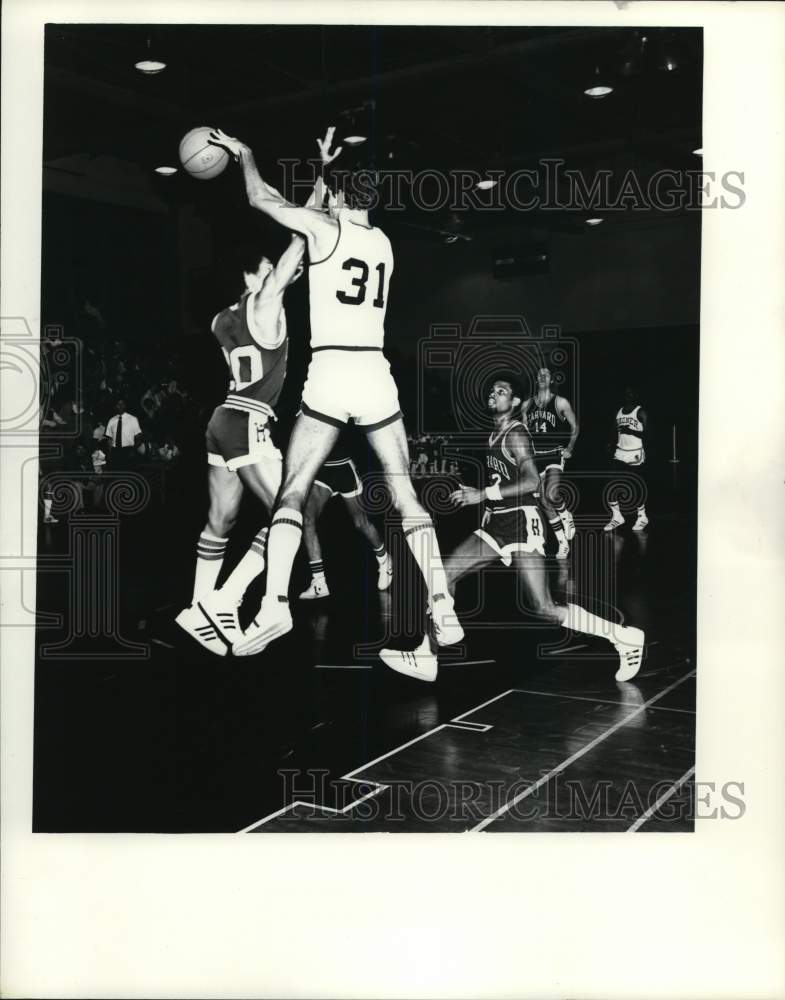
444,98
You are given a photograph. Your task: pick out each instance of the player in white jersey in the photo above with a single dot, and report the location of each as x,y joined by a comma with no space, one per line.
630,454
349,378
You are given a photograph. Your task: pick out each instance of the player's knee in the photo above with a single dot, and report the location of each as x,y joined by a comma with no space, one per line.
221,522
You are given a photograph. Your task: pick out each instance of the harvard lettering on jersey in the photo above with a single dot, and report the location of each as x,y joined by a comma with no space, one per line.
501,468
258,373
629,446
348,290
549,431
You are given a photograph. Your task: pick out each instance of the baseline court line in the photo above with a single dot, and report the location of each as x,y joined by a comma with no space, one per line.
644,817
602,701
576,756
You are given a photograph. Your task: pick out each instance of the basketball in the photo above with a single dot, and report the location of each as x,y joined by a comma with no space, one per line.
199,158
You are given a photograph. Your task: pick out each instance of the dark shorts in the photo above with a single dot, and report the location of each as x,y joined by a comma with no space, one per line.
341,477
235,438
517,530
549,460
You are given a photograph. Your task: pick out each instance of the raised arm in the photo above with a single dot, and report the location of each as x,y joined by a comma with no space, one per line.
316,226
566,412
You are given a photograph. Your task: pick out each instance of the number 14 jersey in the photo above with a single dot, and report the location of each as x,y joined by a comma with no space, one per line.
348,290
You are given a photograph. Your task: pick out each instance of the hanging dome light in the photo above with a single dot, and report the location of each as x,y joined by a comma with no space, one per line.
599,86
149,66
166,171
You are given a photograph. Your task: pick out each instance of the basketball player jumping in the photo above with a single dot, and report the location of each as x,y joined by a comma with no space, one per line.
550,420
631,425
349,378
338,477
253,337
513,532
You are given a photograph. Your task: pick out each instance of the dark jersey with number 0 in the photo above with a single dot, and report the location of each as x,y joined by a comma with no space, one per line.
258,373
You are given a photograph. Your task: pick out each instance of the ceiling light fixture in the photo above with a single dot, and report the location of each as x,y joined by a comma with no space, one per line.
166,171
698,151
594,222
486,185
354,140
600,87
149,66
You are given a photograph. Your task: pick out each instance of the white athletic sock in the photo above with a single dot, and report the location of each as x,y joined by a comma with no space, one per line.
421,539
581,620
381,554
642,511
285,535
615,510
247,570
317,570
47,507
210,552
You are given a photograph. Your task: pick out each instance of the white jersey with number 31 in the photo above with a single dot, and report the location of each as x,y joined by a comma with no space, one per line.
348,289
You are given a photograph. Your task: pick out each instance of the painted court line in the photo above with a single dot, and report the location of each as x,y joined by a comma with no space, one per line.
602,701
471,727
644,817
576,756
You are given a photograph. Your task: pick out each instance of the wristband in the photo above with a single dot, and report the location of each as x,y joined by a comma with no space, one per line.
493,492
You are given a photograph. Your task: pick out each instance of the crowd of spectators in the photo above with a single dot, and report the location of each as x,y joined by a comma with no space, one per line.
121,406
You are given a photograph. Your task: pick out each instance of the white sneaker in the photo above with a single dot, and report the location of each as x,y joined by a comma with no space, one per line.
221,611
446,626
420,663
641,523
48,519
568,524
316,589
274,620
629,645
193,621
385,573
614,523
564,550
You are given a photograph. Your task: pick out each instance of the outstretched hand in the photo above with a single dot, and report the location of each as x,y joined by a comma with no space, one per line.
466,496
231,145
324,147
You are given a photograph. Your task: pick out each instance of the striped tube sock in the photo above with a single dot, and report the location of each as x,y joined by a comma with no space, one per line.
421,539
248,568
210,552
317,570
285,535
381,554
558,529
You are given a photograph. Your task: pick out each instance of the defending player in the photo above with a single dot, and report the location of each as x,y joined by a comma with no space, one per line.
349,378
338,477
631,426
512,531
253,337
551,422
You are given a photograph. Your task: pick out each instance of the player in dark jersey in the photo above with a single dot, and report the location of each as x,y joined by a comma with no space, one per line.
339,477
511,530
554,431
253,337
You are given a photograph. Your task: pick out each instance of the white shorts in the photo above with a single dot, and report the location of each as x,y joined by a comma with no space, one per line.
351,385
